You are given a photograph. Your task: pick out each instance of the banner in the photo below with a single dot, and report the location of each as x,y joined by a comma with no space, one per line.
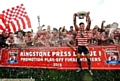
62,58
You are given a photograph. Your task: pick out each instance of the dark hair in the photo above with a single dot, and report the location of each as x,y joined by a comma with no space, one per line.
81,23
29,32
55,29
11,33
71,26
60,28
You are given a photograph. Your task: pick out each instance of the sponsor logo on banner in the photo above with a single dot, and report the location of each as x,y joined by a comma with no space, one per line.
112,56
12,57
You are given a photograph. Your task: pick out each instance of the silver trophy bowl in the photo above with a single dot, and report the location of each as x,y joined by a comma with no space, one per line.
81,14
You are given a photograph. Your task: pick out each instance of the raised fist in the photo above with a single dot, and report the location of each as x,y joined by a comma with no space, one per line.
103,21
75,14
43,25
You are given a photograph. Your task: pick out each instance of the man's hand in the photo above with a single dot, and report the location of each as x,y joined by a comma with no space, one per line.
103,21
43,25
74,16
63,27
74,48
88,20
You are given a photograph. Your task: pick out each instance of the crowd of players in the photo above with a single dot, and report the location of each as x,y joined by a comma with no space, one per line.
59,37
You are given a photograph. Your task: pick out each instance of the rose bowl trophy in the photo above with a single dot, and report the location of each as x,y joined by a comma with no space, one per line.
81,14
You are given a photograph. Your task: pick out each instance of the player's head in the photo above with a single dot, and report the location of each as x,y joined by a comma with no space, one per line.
55,31
19,34
11,35
115,25
81,25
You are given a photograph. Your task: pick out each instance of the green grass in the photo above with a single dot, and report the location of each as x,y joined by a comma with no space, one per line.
60,75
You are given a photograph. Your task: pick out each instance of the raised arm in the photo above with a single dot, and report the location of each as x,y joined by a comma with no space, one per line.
61,30
102,25
40,29
74,22
88,20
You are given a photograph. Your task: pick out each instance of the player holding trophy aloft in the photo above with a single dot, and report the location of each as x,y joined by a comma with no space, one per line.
82,38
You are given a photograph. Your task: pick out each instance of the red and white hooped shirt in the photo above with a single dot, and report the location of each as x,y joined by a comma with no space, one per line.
82,41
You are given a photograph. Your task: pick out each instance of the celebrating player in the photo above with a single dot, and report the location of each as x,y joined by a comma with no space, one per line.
82,41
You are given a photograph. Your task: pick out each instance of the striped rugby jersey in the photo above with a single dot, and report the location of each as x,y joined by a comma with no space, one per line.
82,38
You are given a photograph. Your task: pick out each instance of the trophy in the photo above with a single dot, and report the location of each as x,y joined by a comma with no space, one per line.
81,14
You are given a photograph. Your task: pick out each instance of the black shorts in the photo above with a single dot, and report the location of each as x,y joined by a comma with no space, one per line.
83,49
